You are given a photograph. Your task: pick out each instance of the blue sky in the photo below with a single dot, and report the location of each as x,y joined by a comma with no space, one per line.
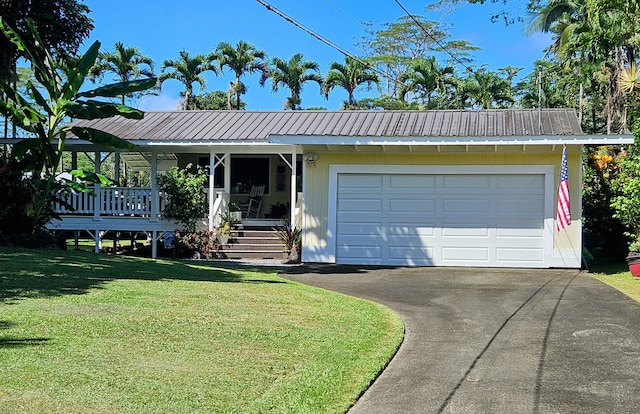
161,28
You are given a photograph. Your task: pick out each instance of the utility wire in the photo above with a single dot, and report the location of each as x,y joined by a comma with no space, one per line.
326,41
432,37
365,28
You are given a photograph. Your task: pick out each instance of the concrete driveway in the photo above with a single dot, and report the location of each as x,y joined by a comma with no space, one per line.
498,340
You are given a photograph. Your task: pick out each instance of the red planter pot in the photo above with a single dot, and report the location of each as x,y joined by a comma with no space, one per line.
634,265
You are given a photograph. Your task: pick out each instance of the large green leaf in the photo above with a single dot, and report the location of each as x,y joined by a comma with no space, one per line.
21,148
76,76
122,88
17,108
102,138
93,177
98,110
12,35
37,96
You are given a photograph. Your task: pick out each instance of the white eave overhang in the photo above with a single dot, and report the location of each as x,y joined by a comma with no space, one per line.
197,146
440,141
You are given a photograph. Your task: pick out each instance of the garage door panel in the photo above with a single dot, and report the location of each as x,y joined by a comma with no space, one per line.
526,206
360,252
349,182
465,254
465,231
410,230
466,206
398,253
522,232
411,206
361,205
404,182
521,184
484,219
359,229
514,255
472,183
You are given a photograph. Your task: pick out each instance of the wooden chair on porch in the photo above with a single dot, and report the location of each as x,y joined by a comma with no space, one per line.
252,207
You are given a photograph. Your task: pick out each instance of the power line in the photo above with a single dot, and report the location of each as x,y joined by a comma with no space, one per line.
325,40
432,37
365,28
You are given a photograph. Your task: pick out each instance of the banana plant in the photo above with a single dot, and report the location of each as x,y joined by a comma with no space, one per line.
45,112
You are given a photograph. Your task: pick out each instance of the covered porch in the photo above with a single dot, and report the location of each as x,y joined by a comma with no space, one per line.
232,172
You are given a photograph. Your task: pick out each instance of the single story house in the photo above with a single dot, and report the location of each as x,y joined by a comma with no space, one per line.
408,188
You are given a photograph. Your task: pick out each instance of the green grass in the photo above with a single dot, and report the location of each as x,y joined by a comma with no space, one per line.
618,276
86,333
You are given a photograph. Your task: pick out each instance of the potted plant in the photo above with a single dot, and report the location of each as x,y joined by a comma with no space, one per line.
235,211
223,232
291,238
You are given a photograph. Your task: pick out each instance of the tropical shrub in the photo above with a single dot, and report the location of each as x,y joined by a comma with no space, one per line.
187,200
627,185
603,231
196,245
291,237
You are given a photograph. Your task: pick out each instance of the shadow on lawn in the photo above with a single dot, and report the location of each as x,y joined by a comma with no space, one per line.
13,342
40,273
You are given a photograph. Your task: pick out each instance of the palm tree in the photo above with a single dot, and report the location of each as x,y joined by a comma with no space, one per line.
484,89
241,59
424,78
292,74
349,77
589,33
127,63
188,70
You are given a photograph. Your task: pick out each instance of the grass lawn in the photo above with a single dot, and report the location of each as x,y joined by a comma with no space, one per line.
87,333
618,276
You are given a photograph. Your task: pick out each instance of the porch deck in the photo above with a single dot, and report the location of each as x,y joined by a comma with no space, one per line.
131,209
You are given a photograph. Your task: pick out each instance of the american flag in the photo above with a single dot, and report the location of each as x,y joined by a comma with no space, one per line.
564,208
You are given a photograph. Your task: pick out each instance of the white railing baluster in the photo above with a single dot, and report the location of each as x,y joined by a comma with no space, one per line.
128,201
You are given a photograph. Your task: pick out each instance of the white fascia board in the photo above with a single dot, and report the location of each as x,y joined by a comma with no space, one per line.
428,141
199,146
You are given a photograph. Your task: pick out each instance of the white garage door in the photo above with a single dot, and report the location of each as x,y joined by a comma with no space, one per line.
440,220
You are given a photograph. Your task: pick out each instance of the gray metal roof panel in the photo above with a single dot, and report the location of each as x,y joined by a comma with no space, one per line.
258,126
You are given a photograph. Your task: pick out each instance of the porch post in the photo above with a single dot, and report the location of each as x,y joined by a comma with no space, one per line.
155,199
212,193
97,205
294,185
98,200
227,173
116,167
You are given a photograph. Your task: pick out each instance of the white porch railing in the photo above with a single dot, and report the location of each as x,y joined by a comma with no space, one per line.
113,201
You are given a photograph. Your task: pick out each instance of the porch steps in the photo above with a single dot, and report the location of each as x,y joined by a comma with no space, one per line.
253,242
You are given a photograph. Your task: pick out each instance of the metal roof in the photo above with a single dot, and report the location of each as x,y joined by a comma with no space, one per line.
260,126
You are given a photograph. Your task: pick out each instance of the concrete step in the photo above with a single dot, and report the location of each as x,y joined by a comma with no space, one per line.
253,247
253,255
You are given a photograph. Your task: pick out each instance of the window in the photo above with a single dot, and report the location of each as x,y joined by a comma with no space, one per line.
245,172
249,171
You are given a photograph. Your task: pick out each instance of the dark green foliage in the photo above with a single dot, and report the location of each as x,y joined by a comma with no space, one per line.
626,202
201,244
603,232
63,26
289,235
217,101
185,191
